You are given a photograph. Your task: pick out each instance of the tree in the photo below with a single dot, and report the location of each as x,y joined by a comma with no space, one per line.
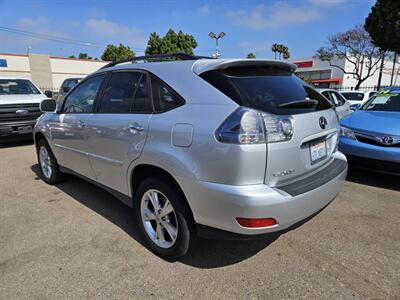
71,56
84,56
251,55
171,42
383,25
281,50
120,52
275,49
356,48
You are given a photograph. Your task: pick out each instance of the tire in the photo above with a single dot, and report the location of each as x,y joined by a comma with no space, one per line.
49,169
180,217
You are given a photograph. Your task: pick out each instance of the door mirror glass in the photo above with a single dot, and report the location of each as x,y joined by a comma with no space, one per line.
48,105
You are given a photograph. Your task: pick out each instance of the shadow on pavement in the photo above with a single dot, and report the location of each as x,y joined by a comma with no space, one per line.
203,254
366,177
7,142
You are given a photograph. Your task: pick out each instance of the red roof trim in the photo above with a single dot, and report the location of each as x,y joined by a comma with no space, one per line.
335,79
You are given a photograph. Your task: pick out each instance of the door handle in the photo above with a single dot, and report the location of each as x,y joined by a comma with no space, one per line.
81,124
135,128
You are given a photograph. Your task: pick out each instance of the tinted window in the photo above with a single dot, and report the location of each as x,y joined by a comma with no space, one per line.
17,87
164,97
353,96
81,99
126,92
266,89
383,102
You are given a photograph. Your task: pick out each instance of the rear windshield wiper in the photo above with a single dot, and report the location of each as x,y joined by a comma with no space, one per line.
308,103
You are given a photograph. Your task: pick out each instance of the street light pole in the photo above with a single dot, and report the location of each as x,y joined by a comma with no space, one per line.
216,38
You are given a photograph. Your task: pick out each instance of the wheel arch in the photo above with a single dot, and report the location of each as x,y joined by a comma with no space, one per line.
143,171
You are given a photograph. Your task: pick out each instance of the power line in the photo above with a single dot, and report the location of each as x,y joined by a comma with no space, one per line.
65,40
58,39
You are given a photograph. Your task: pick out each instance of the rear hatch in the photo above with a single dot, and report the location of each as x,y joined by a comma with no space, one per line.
301,125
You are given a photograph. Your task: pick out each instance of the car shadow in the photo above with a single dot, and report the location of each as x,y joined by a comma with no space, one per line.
371,178
204,253
9,142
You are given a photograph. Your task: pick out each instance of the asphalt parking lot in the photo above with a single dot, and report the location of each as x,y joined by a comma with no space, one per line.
75,241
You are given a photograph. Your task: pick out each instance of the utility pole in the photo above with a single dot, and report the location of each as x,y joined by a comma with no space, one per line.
216,38
381,70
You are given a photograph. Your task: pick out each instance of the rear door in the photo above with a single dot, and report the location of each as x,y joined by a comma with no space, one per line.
117,130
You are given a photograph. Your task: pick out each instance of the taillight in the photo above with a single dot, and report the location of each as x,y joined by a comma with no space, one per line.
279,128
243,126
249,126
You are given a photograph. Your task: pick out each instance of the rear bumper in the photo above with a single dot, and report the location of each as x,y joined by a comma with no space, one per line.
217,205
11,128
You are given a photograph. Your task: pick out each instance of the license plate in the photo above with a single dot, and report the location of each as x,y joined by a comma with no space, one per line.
25,129
317,151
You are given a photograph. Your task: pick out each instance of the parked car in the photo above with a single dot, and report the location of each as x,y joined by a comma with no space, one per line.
357,98
66,86
341,104
19,106
370,137
199,147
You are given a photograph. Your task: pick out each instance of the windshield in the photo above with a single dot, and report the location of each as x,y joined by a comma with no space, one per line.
267,89
17,87
353,96
385,101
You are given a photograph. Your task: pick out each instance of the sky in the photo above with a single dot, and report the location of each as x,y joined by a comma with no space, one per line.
250,26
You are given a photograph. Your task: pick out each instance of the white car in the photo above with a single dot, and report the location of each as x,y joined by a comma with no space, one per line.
19,106
358,97
342,105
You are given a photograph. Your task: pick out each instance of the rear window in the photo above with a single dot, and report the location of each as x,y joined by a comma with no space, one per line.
267,89
353,96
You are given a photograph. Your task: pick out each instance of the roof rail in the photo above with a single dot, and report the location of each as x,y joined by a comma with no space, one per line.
159,57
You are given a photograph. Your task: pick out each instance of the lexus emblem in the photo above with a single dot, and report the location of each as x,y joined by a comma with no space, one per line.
323,122
387,140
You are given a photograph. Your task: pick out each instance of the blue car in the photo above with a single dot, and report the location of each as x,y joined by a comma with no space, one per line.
370,137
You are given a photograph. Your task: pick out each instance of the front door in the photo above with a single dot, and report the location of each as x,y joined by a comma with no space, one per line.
69,132
117,130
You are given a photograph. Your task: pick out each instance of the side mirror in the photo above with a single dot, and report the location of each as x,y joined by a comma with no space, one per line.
355,106
49,94
48,105
66,89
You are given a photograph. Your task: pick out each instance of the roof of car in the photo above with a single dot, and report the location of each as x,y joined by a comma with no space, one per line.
200,66
13,77
325,90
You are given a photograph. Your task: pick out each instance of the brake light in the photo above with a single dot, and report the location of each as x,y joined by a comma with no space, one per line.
243,126
249,126
279,128
256,223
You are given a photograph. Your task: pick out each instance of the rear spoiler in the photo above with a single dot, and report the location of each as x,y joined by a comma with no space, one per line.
205,65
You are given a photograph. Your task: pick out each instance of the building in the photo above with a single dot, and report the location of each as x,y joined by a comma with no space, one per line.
47,72
322,75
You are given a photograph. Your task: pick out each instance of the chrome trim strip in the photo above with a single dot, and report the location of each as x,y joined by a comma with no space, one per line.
112,161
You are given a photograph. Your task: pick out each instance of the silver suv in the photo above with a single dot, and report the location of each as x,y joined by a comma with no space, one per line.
225,148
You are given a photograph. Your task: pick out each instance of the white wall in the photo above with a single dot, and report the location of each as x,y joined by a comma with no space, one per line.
63,68
17,65
349,81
